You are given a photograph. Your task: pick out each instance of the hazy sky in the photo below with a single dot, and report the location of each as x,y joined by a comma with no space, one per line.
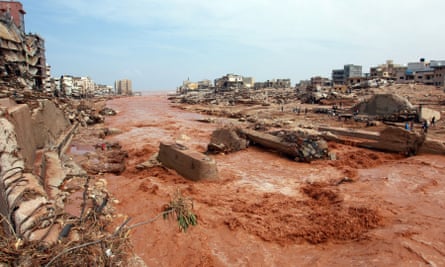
158,44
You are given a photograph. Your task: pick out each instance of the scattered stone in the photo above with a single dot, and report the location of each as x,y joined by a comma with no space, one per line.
107,112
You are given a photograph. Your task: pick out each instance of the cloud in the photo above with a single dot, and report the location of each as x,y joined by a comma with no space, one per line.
253,36
267,24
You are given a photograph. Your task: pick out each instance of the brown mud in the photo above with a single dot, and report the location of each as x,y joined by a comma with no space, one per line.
366,208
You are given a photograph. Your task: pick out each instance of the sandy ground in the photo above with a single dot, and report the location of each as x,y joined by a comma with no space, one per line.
266,210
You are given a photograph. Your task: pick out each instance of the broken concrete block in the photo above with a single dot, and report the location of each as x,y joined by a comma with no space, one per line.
295,144
226,140
191,164
395,139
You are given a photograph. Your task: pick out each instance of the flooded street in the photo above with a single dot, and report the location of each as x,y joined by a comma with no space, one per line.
267,210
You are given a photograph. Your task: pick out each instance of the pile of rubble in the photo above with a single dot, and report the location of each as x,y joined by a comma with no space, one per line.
40,207
234,97
298,144
308,146
107,158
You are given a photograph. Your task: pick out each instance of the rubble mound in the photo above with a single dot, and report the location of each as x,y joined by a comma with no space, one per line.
107,158
107,112
227,140
384,104
308,146
322,217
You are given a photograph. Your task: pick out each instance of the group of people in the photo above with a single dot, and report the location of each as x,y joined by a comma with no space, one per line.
425,125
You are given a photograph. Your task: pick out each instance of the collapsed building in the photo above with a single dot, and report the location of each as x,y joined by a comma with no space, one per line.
22,57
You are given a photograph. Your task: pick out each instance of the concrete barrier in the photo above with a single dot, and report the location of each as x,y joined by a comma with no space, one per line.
190,164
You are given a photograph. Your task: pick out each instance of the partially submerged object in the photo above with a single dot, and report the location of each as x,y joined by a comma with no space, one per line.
190,164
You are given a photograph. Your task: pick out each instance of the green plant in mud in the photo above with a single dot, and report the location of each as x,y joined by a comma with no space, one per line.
181,207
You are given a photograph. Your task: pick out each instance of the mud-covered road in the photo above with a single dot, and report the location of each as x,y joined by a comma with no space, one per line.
266,210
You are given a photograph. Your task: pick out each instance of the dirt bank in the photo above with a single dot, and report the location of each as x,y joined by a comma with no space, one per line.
365,208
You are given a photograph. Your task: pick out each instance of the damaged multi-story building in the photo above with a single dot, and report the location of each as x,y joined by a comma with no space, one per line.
22,57
274,83
350,74
419,72
228,82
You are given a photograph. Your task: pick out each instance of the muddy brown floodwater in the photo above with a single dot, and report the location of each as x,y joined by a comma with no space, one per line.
266,210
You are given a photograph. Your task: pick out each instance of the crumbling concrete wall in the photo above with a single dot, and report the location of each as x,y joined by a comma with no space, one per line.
38,129
49,123
188,163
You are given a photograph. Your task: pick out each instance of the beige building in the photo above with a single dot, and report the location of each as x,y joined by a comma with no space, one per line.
123,87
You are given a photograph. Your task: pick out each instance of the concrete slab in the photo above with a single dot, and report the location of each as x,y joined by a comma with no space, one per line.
190,164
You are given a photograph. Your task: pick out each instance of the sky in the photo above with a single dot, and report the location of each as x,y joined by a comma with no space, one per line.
159,44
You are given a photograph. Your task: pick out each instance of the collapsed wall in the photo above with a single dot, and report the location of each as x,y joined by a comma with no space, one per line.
29,212
23,200
37,129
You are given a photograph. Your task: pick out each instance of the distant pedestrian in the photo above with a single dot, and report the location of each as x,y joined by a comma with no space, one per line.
433,121
411,126
407,126
425,126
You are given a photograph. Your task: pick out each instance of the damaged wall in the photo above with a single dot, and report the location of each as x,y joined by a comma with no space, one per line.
24,201
38,129
49,123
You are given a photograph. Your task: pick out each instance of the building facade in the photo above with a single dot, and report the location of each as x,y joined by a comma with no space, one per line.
338,76
229,81
352,71
439,72
123,87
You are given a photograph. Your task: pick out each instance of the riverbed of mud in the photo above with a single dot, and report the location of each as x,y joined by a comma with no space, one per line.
365,208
